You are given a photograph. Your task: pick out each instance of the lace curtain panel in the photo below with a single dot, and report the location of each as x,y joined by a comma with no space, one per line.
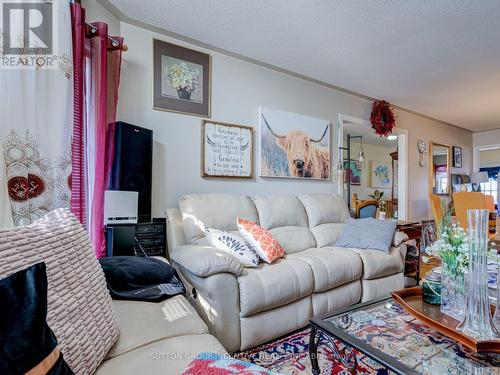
35,135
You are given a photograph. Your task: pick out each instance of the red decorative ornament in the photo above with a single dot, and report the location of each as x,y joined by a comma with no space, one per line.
382,118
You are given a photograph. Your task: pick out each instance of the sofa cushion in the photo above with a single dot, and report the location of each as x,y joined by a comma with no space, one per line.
327,234
285,217
334,299
324,208
293,239
272,285
377,288
368,233
80,310
326,214
170,356
331,267
218,211
142,323
378,264
261,240
279,211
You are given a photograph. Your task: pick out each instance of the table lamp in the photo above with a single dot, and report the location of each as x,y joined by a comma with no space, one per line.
477,178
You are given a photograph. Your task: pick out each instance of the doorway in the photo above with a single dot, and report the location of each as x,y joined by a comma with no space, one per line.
384,168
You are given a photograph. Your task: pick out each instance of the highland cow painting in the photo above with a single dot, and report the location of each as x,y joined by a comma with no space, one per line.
294,145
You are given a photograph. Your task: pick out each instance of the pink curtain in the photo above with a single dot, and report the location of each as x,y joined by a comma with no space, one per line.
78,197
93,133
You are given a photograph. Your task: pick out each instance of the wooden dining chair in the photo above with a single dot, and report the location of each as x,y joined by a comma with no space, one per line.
437,208
364,208
465,201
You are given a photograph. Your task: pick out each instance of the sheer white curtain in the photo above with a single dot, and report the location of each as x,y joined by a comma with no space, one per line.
35,134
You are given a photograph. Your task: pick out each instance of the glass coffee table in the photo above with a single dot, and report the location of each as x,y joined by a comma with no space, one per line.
385,332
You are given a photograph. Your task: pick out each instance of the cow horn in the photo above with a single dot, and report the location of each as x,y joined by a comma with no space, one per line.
323,136
271,130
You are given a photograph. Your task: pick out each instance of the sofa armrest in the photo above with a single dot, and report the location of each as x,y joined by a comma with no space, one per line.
175,230
205,261
399,238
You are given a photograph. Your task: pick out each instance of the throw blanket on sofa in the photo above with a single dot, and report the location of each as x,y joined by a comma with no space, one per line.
140,279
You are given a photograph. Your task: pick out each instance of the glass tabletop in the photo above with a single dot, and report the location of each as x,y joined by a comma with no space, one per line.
385,326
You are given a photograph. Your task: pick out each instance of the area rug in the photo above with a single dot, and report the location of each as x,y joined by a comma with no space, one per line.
290,355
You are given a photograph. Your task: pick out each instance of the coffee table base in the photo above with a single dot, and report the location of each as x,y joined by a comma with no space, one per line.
346,355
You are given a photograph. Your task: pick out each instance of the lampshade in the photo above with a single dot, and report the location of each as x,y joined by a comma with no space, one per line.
478,177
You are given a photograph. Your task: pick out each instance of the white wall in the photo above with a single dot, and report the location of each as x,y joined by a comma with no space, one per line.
487,138
483,140
95,12
238,88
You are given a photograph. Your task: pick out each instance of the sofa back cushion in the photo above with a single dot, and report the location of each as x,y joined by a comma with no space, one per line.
218,211
80,310
285,217
326,214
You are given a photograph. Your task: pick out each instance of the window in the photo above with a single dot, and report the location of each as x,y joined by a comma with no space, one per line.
490,188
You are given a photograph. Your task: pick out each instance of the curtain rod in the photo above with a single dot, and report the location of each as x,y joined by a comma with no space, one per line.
114,42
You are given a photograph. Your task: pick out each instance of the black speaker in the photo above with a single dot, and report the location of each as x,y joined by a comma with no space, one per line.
132,164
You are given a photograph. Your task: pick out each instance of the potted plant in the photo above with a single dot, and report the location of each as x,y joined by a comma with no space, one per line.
382,205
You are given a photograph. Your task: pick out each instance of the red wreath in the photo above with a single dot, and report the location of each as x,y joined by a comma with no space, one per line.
382,118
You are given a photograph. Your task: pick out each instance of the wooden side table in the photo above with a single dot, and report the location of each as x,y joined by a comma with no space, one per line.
413,264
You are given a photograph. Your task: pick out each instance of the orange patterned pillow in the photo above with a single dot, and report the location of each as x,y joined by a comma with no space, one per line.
261,240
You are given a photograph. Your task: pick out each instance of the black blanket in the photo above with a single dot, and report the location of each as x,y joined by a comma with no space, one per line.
140,279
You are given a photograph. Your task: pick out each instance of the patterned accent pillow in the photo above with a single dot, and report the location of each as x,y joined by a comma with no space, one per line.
263,242
218,364
234,245
80,310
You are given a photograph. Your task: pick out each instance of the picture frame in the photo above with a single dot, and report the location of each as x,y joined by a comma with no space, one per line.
181,79
381,174
294,145
353,173
457,157
226,150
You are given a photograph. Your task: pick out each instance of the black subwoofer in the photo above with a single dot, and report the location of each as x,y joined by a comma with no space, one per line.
132,164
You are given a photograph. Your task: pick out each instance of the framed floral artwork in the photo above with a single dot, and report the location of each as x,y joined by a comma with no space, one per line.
181,81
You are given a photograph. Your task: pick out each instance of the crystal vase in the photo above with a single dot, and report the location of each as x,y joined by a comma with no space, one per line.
496,317
452,292
477,322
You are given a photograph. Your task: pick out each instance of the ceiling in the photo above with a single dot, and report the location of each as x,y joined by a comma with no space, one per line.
438,58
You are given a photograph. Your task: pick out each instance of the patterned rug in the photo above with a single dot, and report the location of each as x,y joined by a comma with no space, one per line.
290,355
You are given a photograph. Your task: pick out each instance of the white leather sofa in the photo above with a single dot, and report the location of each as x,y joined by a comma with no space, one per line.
245,307
157,338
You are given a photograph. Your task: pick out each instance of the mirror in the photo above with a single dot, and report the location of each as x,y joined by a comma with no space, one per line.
439,168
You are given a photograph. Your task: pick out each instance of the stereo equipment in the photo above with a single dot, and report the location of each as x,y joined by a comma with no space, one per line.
132,164
143,239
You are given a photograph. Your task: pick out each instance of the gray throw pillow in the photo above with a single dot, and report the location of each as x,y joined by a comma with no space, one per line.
368,233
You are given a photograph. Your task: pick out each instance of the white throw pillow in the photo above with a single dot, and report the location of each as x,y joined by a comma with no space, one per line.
234,245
